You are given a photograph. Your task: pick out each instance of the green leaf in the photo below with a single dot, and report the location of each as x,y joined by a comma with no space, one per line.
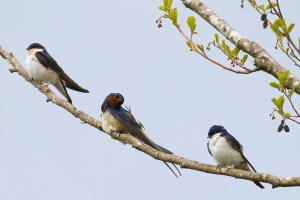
190,45
280,102
299,40
284,26
244,59
290,28
279,46
283,77
287,114
252,3
280,113
223,44
280,23
201,47
227,49
277,33
163,8
191,21
274,85
287,50
277,22
174,16
217,38
168,3
262,7
291,92
235,52
269,6
274,101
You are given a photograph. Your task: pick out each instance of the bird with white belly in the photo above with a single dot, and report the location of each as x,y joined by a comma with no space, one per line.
42,67
227,151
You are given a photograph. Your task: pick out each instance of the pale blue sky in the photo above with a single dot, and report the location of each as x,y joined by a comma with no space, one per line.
115,46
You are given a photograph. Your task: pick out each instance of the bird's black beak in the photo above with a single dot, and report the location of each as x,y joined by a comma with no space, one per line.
208,137
27,48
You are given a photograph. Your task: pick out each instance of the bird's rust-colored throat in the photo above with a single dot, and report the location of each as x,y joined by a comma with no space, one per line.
114,102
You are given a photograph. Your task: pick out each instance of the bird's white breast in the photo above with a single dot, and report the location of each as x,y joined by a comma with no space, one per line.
38,72
110,123
223,153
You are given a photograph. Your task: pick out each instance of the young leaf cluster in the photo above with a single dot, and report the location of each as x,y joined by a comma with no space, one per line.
232,54
280,28
171,13
279,102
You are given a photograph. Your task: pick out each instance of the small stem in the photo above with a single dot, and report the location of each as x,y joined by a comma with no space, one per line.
247,71
12,70
290,100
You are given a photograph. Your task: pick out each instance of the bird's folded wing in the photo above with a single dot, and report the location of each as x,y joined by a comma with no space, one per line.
136,129
238,147
208,149
47,60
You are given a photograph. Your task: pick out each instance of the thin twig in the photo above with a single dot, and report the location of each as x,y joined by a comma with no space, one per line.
197,50
281,16
293,120
287,35
290,100
281,47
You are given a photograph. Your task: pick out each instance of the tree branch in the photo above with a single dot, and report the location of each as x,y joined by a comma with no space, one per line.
262,60
183,162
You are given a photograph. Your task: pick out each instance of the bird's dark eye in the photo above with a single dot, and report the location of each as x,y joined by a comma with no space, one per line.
117,95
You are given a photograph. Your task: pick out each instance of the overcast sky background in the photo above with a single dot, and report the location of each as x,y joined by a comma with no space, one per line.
115,46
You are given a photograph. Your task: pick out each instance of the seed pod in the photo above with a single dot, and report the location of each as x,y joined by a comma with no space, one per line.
282,122
286,128
263,17
265,24
280,127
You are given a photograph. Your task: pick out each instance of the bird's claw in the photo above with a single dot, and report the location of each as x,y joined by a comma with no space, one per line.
45,84
117,137
226,167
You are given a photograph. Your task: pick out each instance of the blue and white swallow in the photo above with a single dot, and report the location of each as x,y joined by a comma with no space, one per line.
227,151
42,67
117,119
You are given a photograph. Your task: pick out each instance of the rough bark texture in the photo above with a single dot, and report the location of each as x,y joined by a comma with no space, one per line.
262,60
137,144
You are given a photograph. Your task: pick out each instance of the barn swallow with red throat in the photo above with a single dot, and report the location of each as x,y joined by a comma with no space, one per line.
42,67
117,119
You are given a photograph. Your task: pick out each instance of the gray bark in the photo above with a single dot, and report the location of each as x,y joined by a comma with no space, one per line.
262,60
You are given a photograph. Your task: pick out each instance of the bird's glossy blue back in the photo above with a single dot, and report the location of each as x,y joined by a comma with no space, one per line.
232,139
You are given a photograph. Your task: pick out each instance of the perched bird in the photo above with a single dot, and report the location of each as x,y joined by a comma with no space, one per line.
117,119
227,151
42,67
